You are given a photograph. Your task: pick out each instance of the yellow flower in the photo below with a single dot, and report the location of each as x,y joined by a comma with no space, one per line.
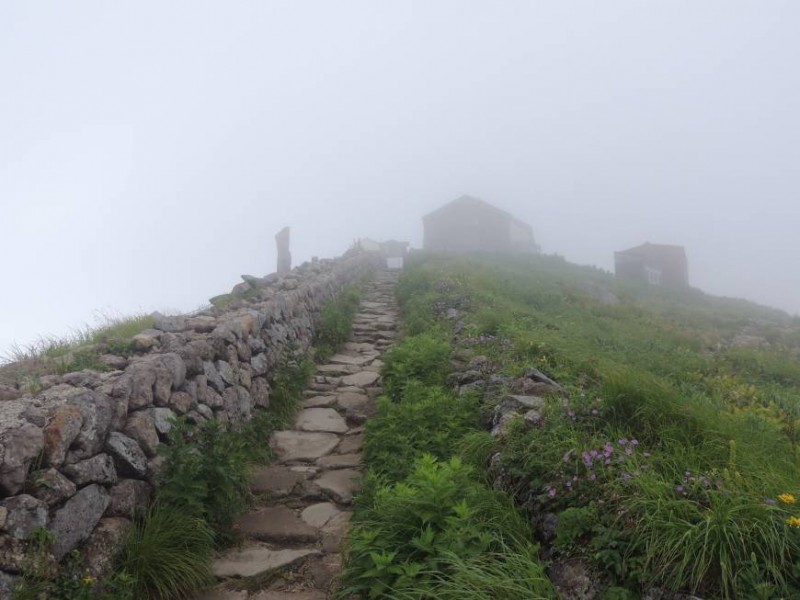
787,499
89,580
793,522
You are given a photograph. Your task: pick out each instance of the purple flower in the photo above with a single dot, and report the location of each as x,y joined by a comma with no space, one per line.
594,454
592,476
680,489
608,449
634,442
623,441
625,477
551,492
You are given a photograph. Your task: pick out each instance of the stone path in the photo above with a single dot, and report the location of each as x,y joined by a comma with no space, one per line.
294,532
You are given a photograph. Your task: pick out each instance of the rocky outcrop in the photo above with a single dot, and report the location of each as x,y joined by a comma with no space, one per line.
81,457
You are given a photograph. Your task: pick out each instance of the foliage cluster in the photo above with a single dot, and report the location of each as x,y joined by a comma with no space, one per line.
666,462
426,524
336,322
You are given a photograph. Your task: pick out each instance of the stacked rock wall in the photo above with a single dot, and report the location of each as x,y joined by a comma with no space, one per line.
78,457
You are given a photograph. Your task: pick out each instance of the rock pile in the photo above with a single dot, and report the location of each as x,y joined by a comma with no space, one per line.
82,454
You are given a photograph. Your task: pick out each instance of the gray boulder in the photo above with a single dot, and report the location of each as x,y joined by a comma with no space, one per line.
172,323
18,449
140,427
128,456
98,469
24,515
73,523
213,377
51,487
128,497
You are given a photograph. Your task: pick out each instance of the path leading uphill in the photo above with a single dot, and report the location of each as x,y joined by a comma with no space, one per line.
294,532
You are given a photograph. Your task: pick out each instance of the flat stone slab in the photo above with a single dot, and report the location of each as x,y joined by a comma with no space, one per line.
302,445
349,400
318,402
340,485
361,379
335,530
299,595
350,444
347,359
339,461
339,369
278,524
256,559
222,594
320,419
317,515
275,480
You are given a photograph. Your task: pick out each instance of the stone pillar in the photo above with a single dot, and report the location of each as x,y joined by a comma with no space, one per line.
284,256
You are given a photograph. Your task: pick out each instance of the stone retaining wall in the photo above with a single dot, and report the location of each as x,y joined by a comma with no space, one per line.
82,454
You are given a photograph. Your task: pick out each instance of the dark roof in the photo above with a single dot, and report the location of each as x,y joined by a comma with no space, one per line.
467,201
647,249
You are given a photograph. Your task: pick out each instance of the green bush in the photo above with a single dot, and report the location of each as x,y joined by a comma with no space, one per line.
427,420
206,475
336,323
424,358
413,528
168,553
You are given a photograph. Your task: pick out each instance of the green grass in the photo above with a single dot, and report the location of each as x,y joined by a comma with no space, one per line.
702,434
168,553
336,323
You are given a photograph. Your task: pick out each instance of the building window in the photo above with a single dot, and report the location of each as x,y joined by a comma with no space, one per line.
653,276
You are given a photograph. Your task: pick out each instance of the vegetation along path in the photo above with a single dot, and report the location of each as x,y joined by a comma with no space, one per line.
294,532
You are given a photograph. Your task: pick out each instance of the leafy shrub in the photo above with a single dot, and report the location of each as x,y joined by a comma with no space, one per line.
573,524
427,420
424,358
205,475
414,527
336,323
168,553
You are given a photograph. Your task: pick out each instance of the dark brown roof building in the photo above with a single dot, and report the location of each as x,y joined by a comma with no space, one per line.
656,264
469,224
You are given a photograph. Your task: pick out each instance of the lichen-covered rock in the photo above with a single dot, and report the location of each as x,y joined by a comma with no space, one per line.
98,412
259,392
128,456
103,546
238,404
181,402
226,372
97,469
260,364
176,367
213,377
51,487
162,420
25,515
64,426
140,427
12,555
171,323
129,496
18,448
74,522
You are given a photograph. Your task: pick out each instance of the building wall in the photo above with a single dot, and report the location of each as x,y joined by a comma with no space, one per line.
467,229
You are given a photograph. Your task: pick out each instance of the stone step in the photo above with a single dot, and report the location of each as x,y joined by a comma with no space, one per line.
277,524
257,560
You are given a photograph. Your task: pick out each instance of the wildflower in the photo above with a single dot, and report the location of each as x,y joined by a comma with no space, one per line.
608,449
634,442
623,441
787,499
680,490
551,492
587,459
88,580
625,477
592,476
793,522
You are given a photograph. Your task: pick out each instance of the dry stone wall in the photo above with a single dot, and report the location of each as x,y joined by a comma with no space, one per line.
81,455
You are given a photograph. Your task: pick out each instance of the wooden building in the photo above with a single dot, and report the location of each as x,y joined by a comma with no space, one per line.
656,264
469,224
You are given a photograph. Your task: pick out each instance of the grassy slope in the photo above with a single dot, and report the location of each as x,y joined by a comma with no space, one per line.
689,505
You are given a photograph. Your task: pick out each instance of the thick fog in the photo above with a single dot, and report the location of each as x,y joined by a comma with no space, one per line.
149,151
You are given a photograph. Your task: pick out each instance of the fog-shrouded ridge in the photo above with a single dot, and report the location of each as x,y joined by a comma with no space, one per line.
150,151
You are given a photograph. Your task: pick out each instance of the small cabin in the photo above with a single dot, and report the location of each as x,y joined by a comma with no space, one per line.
469,224
656,264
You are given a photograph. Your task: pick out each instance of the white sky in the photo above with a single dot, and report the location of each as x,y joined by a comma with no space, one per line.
149,151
